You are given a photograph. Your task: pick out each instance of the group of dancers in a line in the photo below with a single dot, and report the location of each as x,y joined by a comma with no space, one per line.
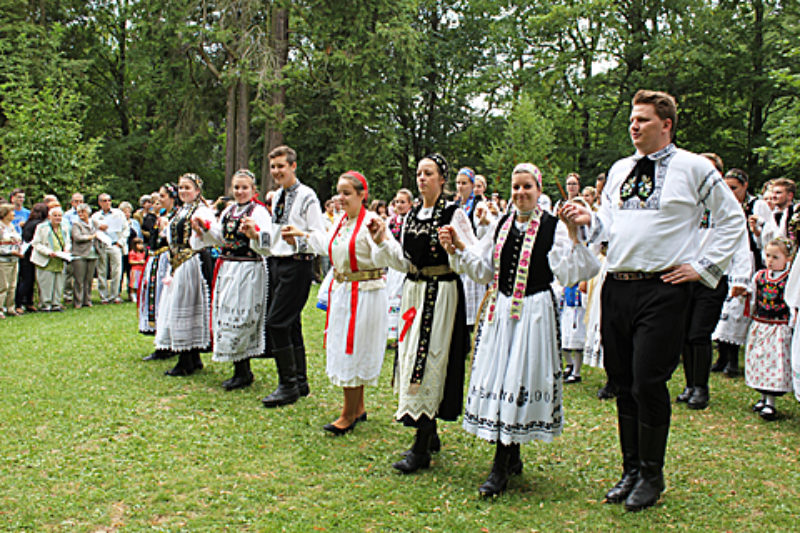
248,303
657,266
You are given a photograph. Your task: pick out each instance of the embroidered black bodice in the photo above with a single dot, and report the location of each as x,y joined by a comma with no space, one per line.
237,244
421,238
769,304
181,225
540,276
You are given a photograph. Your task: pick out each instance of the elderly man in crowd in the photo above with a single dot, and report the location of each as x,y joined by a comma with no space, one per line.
111,239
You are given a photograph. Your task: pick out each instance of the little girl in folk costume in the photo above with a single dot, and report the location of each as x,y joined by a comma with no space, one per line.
767,359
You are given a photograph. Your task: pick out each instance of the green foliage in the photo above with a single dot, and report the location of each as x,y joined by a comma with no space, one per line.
527,138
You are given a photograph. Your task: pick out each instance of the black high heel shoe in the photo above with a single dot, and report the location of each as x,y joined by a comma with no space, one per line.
337,431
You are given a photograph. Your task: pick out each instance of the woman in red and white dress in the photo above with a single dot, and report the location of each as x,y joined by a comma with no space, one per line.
356,322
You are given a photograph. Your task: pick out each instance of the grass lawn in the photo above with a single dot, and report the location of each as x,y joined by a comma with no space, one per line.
94,439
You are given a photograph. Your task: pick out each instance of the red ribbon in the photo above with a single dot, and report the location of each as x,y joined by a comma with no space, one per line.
351,327
408,316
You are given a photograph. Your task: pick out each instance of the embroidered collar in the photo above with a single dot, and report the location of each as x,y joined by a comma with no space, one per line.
657,156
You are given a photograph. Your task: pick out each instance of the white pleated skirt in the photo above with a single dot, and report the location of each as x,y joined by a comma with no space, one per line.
573,329
732,326
182,322
394,292
767,358
239,308
363,366
473,295
162,267
423,398
515,391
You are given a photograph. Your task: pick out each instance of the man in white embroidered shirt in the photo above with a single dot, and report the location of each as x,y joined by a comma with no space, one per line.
650,215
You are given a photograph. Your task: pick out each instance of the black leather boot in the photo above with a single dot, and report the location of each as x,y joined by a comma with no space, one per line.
185,366
420,455
435,444
498,478
300,366
702,370
287,392
197,363
158,355
650,485
722,357
515,461
242,376
688,370
629,442
732,367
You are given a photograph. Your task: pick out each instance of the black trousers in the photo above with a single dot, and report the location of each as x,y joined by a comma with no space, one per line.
704,310
642,327
289,285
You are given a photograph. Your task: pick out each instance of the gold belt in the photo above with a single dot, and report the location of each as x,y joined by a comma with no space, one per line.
179,257
438,270
361,275
160,250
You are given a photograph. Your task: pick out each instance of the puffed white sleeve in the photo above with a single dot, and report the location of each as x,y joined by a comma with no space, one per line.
198,242
741,268
792,292
476,261
319,237
390,253
769,229
571,262
213,235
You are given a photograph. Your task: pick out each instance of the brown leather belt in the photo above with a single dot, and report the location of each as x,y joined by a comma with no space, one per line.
636,276
361,275
438,270
239,258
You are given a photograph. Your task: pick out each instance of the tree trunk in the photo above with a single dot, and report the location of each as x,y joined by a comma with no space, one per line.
273,136
242,125
230,135
755,127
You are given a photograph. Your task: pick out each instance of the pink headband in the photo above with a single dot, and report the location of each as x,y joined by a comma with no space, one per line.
360,177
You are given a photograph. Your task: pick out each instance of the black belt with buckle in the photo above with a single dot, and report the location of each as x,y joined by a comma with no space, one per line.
636,276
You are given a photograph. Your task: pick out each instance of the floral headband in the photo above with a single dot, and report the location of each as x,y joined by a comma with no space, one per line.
531,169
245,172
172,190
738,174
194,178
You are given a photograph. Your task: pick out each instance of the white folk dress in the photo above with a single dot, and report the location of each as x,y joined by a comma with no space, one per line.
593,346
240,286
792,298
429,373
182,321
156,269
768,354
363,326
515,390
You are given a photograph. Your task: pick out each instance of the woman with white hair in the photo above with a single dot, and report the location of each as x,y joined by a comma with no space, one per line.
50,249
515,390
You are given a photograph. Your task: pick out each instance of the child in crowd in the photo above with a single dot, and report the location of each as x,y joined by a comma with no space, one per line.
136,259
767,359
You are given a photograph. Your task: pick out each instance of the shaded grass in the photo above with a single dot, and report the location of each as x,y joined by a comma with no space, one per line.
95,439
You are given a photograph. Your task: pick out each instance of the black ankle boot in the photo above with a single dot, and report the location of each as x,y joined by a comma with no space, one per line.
419,456
702,369
497,481
650,485
688,370
732,368
515,461
435,444
300,365
197,362
722,357
158,355
287,392
242,376
185,366
629,442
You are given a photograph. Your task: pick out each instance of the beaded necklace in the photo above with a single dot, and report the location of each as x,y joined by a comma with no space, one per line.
521,276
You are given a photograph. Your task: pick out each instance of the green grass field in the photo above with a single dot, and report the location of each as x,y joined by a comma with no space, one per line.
94,439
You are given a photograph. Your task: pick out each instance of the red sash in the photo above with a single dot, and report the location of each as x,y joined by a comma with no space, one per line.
351,328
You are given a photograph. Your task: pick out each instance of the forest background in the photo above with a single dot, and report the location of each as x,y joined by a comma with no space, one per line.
121,96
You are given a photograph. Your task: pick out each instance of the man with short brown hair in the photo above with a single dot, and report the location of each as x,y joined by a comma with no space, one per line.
650,214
